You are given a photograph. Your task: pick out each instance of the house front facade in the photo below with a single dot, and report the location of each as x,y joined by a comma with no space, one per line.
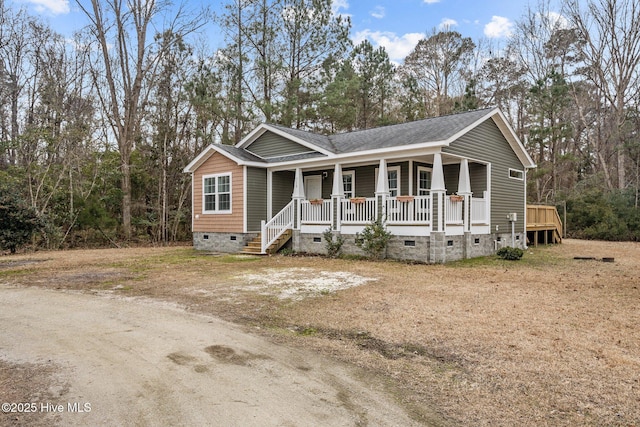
447,188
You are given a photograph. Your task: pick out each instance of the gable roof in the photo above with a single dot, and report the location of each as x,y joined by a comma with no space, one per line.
431,131
435,129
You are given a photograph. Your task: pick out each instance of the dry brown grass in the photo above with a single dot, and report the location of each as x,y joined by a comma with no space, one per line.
548,340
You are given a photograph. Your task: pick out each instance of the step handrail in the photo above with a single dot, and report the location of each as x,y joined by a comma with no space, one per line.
276,226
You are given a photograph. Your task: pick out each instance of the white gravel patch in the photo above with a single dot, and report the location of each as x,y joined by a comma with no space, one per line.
299,283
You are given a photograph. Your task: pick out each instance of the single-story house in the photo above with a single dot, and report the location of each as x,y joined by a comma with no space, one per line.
447,188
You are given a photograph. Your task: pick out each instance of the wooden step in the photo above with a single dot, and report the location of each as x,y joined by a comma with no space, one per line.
255,245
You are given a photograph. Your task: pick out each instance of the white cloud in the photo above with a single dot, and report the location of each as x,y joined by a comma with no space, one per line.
378,12
55,7
336,5
447,23
499,27
431,1
397,47
556,20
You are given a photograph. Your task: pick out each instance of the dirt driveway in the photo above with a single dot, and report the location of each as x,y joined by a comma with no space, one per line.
91,360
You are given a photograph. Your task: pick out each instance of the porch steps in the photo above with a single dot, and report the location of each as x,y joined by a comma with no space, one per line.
254,246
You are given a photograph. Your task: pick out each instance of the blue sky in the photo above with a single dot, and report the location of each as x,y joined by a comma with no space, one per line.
395,24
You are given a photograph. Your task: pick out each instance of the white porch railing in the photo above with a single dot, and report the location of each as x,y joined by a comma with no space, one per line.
277,225
409,210
453,210
480,209
358,213
315,213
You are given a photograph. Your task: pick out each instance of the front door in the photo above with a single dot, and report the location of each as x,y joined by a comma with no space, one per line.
313,187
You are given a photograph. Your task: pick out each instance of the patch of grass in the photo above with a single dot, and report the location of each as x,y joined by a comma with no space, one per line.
13,273
229,259
307,332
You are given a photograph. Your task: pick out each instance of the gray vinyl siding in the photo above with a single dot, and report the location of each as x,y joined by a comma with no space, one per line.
256,198
486,143
451,177
282,189
478,178
365,177
365,181
272,145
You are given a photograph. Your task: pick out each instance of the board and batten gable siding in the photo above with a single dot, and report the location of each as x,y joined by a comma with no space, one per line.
256,198
230,222
486,143
272,145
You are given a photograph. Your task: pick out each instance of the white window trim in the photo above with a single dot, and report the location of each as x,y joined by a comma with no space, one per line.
520,173
422,169
353,183
389,169
216,176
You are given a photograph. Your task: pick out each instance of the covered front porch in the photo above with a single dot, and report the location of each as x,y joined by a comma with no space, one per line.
419,196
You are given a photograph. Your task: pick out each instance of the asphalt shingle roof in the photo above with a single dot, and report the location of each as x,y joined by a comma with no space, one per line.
421,131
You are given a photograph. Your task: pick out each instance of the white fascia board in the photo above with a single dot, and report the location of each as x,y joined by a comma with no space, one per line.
512,138
252,136
265,127
200,158
363,156
209,151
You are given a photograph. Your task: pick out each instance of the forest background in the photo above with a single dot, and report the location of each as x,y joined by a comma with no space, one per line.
95,130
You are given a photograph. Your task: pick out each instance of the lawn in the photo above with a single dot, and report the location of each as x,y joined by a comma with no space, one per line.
548,340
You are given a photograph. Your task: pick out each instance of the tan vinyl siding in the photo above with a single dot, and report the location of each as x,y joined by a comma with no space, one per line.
273,145
230,222
486,143
256,198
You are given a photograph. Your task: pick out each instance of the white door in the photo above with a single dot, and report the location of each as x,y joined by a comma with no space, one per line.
313,187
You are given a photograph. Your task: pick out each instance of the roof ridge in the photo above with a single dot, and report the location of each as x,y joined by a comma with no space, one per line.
414,121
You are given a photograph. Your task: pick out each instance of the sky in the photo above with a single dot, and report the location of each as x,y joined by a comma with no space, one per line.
397,25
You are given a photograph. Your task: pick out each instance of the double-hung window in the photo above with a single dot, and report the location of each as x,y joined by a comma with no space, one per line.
424,181
393,180
216,193
349,184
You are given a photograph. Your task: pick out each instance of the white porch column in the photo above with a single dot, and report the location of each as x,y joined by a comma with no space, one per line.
337,194
438,191
464,189
297,196
382,188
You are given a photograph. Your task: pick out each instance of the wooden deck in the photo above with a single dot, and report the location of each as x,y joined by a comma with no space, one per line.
543,225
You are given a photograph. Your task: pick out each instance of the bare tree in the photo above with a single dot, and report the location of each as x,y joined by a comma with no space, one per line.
610,30
127,69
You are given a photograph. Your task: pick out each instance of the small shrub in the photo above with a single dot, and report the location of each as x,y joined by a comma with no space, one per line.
287,252
374,239
334,243
510,254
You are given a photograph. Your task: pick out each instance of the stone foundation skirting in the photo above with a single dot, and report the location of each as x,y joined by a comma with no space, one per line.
221,242
437,248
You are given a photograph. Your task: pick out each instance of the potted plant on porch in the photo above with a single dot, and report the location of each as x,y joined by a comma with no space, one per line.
357,200
404,199
316,201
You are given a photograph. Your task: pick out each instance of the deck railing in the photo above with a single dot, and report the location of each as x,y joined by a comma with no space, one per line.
315,212
409,210
480,209
359,211
276,226
540,217
453,209
400,210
